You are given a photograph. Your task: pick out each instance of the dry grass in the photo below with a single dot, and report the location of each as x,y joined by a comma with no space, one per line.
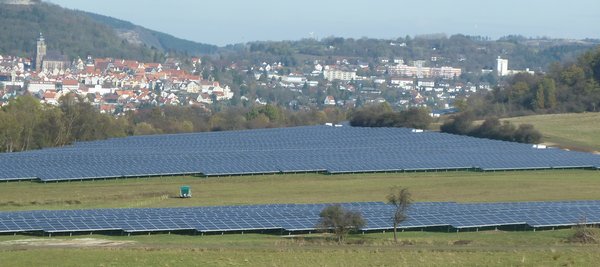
585,234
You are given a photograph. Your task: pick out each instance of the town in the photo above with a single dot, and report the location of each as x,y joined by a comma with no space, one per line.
115,86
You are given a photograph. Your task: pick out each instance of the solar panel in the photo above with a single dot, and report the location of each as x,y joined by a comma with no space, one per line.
283,150
301,217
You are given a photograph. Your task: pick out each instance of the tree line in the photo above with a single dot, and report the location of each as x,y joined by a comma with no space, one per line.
462,123
382,115
491,128
27,124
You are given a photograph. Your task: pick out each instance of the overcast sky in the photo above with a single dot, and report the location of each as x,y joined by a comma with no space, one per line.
224,22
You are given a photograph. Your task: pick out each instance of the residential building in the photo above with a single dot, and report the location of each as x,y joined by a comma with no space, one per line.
332,73
501,66
329,101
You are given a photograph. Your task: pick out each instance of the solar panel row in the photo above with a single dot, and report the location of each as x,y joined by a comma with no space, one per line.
300,217
298,149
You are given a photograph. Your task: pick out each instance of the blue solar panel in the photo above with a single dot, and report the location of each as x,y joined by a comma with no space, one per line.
301,217
284,150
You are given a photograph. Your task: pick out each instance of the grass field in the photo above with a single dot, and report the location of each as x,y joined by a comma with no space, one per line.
488,248
303,188
580,131
417,249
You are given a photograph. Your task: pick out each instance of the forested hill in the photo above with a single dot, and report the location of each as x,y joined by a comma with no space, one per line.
471,53
162,41
565,88
77,34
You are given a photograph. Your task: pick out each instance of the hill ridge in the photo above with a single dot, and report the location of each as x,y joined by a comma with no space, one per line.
78,34
140,35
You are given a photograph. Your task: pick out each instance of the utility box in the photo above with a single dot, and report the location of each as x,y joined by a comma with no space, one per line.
185,192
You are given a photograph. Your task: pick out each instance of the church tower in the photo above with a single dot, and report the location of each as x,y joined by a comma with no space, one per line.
40,53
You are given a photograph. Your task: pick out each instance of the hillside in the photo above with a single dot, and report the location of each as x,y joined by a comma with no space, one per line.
470,53
77,34
164,42
573,130
568,87
67,31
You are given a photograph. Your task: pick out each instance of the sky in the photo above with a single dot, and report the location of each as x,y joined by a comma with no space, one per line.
223,22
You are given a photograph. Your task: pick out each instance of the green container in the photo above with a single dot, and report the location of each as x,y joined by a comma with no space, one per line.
185,191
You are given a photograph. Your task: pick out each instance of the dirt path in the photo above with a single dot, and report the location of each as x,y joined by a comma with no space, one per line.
79,242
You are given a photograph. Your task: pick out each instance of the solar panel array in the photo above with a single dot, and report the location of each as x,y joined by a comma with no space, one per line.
300,217
284,150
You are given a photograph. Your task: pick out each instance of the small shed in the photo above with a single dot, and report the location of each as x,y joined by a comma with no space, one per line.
185,191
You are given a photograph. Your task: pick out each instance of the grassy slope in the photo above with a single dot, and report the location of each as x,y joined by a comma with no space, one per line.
302,188
420,249
579,131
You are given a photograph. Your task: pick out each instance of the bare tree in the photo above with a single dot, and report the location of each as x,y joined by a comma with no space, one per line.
340,221
401,199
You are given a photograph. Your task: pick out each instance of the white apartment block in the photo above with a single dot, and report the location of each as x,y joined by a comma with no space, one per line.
502,66
336,74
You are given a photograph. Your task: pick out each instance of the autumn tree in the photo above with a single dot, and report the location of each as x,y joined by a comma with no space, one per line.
339,220
461,123
491,128
27,111
383,116
400,198
10,131
549,86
